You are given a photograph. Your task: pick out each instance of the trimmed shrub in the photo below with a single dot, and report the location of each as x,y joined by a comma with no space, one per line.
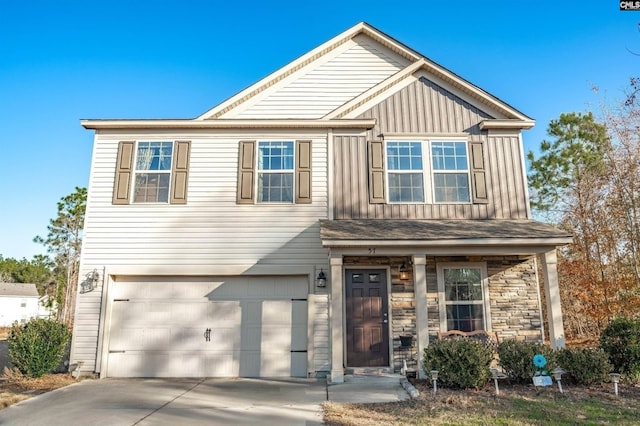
516,358
621,341
587,366
461,363
36,347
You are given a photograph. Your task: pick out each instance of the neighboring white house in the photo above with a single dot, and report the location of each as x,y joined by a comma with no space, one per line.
18,302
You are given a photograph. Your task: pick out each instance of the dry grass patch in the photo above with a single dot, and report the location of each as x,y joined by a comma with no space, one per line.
14,387
516,405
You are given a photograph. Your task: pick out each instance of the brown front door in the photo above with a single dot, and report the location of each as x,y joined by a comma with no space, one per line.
367,318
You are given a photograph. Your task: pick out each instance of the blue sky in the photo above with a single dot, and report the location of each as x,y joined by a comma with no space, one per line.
63,60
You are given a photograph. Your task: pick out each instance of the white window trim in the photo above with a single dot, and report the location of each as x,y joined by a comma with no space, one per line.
484,282
258,171
428,182
433,171
136,172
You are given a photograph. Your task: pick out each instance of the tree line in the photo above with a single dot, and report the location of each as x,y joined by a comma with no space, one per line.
586,180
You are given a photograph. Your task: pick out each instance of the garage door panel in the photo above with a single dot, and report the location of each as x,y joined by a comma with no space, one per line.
220,364
158,327
224,312
188,313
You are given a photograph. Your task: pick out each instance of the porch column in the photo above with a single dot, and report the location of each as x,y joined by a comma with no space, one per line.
335,319
420,290
549,261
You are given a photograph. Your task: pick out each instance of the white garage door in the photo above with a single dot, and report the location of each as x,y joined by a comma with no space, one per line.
221,327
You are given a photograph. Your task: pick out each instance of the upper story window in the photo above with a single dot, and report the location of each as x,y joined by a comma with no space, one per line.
153,172
275,171
450,172
463,297
406,181
413,177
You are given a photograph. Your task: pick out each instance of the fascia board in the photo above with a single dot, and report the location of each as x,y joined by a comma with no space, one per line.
477,242
506,124
227,124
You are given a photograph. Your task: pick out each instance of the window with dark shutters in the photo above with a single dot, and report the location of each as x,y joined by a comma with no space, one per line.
247,173
157,162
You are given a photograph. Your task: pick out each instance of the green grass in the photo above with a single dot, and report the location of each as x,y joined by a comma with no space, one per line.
516,405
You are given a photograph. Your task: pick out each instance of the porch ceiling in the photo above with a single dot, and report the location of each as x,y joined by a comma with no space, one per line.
438,233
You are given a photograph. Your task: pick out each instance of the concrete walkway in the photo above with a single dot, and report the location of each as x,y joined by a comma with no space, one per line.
197,401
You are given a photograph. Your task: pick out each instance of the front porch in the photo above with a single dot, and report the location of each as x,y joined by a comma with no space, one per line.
502,296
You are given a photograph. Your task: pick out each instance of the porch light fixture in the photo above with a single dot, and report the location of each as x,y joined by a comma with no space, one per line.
321,279
90,281
404,272
615,378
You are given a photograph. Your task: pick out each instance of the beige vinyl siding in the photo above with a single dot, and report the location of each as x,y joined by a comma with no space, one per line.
209,235
318,89
319,320
211,228
426,108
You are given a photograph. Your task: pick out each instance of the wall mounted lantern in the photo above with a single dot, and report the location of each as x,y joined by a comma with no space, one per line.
90,281
404,272
321,279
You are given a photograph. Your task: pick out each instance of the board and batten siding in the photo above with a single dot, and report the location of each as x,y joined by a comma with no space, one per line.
209,235
426,108
319,88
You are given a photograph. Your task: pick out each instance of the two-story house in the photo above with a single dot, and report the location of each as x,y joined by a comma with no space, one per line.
359,194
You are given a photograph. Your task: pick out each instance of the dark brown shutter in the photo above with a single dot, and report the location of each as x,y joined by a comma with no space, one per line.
246,172
180,172
478,174
303,172
376,172
124,171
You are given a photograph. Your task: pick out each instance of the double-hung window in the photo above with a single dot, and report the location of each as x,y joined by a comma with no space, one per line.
450,172
463,297
406,174
152,172
275,171
429,171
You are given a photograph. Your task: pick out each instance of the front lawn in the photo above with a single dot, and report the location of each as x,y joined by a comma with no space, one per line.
15,387
516,405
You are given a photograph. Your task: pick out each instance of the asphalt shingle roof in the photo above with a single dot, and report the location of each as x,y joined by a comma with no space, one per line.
434,230
18,289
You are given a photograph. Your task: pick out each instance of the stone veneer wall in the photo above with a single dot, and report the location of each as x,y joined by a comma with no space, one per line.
403,305
513,293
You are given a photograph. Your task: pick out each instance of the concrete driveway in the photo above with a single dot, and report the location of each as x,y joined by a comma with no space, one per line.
175,402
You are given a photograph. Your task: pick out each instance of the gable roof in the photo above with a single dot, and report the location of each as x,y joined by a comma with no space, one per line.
418,64
18,290
398,64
